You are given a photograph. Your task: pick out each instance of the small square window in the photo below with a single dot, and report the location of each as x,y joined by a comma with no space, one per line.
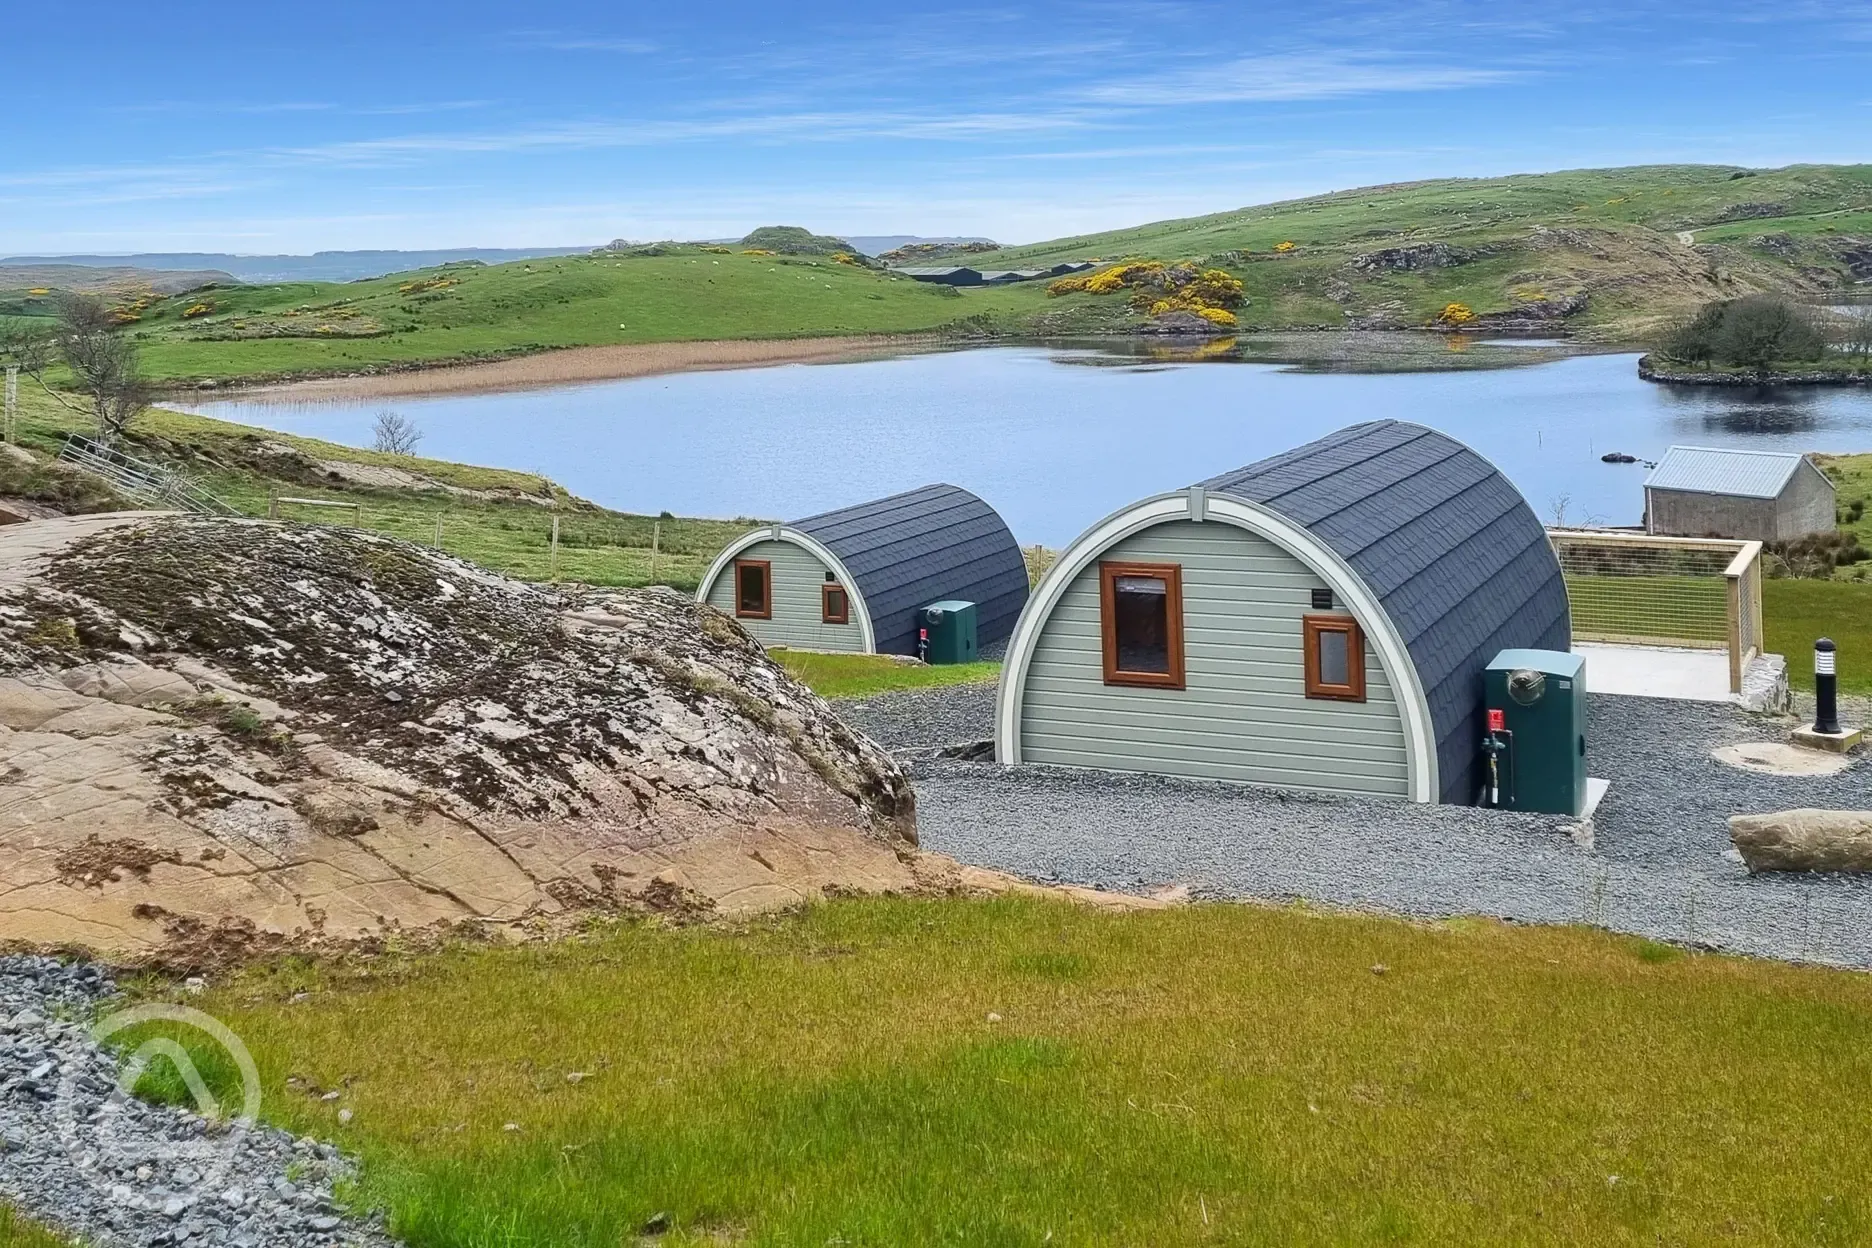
834,605
1335,657
753,583
1141,611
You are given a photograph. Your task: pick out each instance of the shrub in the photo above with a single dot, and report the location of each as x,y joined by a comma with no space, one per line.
1217,316
198,309
1285,246
1456,314
1755,331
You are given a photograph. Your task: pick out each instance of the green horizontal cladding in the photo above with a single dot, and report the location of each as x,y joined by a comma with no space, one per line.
1244,715
797,608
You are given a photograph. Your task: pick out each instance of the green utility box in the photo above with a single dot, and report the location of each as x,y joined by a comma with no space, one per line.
1540,757
949,631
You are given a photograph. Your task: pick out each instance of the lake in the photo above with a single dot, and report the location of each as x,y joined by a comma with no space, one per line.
1057,437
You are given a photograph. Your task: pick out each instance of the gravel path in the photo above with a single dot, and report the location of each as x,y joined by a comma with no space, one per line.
1660,865
78,1156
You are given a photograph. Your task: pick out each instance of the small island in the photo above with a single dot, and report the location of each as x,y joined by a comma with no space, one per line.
1765,340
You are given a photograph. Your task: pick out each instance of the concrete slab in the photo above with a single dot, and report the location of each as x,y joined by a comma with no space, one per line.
1657,672
1779,758
1844,741
1595,793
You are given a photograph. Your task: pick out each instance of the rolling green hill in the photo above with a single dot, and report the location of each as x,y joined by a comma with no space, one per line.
467,312
1609,254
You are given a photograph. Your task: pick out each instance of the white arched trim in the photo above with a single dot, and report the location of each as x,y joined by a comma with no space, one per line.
861,614
1347,586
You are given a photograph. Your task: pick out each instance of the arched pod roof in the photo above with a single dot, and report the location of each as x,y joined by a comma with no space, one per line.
921,546
1449,547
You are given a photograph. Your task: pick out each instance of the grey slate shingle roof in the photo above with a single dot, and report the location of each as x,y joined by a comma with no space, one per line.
922,546
1445,542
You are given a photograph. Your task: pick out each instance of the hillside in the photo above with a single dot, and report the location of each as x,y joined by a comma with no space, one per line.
1606,251
466,312
1602,254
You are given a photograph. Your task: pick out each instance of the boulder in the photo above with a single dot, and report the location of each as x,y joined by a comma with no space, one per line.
1804,840
224,736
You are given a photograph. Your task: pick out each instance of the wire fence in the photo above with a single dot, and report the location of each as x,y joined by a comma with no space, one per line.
1640,590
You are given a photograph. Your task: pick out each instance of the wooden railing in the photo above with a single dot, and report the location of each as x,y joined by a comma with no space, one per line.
1644,590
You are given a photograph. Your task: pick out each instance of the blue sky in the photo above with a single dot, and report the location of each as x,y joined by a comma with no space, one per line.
261,127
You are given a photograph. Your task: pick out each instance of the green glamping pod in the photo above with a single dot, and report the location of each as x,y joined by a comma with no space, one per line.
948,631
1536,706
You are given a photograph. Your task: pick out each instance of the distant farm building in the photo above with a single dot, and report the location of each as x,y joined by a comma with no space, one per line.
1763,496
962,275
1319,620
854,579
947,275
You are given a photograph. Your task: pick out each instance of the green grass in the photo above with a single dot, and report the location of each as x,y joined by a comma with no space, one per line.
17,1232
1018,1072
861,675
1611,236
509,530
1796,612
311,327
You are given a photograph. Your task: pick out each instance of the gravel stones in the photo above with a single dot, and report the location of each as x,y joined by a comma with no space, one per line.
1662,865
77,1155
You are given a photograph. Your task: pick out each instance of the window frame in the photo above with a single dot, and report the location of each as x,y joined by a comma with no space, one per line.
1312,627
826,590
1171,574
766,567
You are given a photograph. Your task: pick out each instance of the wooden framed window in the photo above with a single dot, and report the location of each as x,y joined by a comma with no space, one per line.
1335,657
753,589
1141,617
834,604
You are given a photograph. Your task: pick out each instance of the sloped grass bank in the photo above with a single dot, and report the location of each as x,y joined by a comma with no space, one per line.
1020,1072
497,517
861,675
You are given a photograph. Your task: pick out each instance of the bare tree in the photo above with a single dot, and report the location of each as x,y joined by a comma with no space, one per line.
32,350
395,433
103,361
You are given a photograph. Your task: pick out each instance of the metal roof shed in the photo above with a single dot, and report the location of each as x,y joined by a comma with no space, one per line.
1318,620
853,579
951,275
1760,496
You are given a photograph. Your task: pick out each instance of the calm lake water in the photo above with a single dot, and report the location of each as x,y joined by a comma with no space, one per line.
1057,438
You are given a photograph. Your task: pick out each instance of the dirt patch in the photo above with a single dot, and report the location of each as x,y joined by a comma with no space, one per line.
577,364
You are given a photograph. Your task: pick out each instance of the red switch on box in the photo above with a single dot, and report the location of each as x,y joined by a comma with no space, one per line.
1497,720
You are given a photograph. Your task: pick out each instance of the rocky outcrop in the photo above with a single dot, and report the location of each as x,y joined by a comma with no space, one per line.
219,736
1804,840
1415,257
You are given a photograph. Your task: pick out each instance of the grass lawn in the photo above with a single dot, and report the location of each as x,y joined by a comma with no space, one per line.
1023,1072
1795,613
861,675
17,1232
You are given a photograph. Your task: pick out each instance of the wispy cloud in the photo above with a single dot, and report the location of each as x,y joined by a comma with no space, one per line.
1322,75
555,41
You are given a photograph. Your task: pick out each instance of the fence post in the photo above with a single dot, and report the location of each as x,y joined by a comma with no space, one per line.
553,564
12,403
438,539
656,545
273,508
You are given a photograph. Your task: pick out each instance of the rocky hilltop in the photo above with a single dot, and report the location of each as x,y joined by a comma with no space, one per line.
227,736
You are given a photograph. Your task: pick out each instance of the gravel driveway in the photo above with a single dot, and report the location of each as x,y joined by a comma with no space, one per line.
1659,867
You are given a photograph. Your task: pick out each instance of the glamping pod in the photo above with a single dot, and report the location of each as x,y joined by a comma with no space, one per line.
1319,620
855,579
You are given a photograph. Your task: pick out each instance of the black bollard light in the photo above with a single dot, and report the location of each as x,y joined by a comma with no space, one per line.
1826,687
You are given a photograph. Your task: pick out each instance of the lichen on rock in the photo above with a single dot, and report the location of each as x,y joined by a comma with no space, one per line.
319,734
